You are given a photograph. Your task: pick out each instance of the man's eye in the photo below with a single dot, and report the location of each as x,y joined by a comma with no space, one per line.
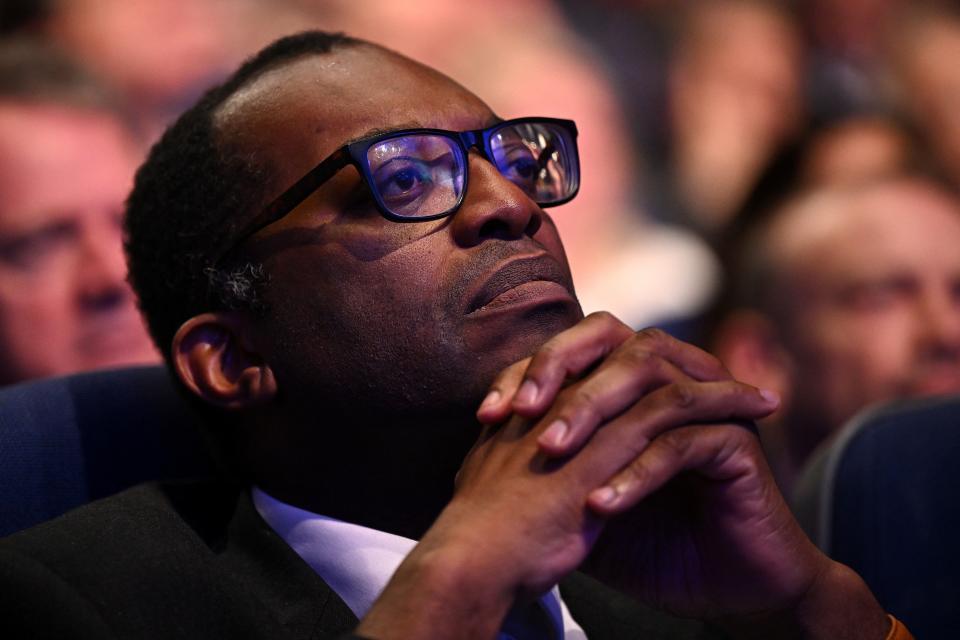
878,295
405,179
402,178
32,251
523,170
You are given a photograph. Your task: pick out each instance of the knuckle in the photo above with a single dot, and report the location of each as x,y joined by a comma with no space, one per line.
584,401
549,351
745,438
636,473
584,395
636,446
590,414
602,317
674,443
636,355
543,359
654,336
608,322
740,443
745,451
681,395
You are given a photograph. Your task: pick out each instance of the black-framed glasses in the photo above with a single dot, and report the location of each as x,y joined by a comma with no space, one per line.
421,174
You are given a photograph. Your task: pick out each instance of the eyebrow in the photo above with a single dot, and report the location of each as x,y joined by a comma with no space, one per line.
376,131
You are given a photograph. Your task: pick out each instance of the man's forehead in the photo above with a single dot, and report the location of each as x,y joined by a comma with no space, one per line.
870,223
305,109
46,164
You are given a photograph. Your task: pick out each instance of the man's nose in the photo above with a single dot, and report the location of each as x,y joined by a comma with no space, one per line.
101,268
940,320
493,207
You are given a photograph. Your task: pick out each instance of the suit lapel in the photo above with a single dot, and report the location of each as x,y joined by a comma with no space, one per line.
301,601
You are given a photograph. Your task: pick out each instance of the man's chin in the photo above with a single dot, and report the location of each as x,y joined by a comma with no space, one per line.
116,350
512,332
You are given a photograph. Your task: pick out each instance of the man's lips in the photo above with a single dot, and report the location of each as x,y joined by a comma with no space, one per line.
521,278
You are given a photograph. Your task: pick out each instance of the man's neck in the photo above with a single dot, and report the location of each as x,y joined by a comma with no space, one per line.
394,476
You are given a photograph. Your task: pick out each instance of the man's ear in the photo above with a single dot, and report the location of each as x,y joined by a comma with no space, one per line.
215,357
748,343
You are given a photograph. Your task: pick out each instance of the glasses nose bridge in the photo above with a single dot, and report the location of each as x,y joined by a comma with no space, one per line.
473,140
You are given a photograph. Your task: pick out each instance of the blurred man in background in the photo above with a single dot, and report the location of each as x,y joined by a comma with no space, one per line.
66,163
844,296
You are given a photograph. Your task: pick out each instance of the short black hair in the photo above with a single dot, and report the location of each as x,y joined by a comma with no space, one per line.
193,195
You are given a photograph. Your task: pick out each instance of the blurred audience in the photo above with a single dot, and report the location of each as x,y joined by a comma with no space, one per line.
67,160
161,55
632,38
856,146
847,42
859,147
735,92
846,294
925,62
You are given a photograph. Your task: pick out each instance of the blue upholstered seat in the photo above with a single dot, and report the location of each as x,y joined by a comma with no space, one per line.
884,498
66,441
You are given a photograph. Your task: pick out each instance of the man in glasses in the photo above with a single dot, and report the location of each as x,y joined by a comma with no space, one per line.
346,257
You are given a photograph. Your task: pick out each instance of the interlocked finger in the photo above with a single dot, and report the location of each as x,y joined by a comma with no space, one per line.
626,437
574,353
711,450
616,385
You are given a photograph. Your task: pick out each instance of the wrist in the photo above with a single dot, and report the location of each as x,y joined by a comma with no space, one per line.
838,604
438,593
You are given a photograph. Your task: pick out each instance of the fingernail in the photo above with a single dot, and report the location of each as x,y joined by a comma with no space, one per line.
528,393
770,396
604,495
492,398
555,434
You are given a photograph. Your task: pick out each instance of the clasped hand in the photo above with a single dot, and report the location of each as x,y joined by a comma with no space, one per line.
630,456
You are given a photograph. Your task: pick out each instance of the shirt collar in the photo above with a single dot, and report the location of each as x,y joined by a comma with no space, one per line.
357,562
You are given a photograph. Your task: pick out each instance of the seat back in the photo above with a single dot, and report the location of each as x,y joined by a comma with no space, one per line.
884,498
69,440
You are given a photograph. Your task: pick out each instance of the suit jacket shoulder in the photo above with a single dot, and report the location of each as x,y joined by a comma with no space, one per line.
197,561
161,561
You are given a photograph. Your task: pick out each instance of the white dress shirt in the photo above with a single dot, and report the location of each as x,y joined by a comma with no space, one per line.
357,562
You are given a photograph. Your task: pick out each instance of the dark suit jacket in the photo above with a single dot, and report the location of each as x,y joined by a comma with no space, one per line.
197,561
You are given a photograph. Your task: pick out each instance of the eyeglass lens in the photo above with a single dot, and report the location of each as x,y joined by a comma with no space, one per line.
538,157
417,174
422,174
